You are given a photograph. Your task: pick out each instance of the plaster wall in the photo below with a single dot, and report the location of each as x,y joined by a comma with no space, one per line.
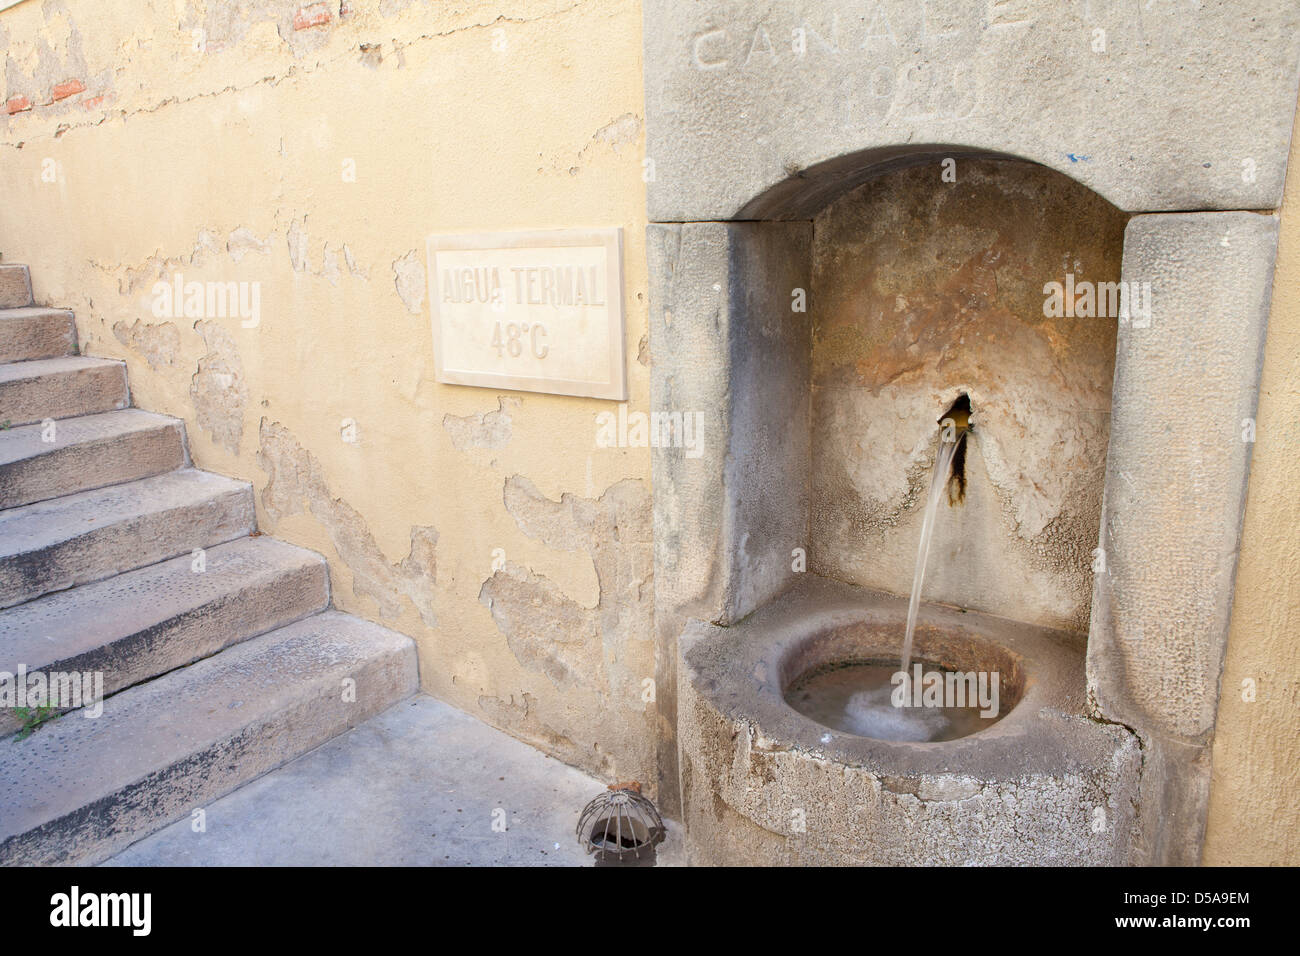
309,149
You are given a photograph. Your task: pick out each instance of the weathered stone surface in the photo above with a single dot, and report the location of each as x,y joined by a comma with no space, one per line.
15,287
1151,113
379,796
80,789
32,332
924,289
78,538
92,451
773,111
60,388
1186,388
143,623
764,785
727,344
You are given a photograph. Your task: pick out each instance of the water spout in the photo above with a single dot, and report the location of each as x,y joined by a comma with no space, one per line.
954,428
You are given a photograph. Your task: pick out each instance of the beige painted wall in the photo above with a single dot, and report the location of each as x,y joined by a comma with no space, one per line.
212,139
1254,813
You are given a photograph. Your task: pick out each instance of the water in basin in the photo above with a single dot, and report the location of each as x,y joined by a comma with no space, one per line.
856,698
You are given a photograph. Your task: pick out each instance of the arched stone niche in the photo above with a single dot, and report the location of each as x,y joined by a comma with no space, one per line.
928,284
747,140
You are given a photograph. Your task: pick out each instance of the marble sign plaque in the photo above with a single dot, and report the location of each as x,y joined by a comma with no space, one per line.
531,311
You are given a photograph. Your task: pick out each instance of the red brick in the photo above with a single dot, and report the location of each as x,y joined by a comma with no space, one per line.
16,104
68,88
312,15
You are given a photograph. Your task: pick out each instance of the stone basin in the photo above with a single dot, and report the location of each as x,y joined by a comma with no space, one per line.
764,785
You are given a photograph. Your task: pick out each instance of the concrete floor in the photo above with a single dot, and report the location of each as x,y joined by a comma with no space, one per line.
415,786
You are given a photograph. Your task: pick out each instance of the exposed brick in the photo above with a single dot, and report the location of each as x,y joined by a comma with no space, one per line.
312,15
16,104
95,102
68,88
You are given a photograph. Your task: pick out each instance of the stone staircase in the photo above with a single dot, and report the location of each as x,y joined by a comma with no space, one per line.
220,655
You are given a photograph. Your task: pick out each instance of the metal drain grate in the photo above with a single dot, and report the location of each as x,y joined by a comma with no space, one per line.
621,825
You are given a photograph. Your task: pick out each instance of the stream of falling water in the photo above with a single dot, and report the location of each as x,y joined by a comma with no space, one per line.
949,441
861,697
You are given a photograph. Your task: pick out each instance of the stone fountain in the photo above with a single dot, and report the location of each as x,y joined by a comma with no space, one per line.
854,227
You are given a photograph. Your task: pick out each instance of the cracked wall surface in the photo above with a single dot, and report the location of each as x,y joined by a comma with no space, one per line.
484,429
305,149
218,389
158,343
296,483
602,654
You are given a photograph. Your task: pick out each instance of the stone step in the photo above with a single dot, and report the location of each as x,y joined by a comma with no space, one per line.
60,388
92,535
15,287
33,332
135,626
87,452
79,789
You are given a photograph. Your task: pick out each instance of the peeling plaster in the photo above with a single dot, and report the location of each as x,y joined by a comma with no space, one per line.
484,430
329,268
242,241
218,390
169,66
50,69
157,343
332,260
257,28
207,250
547,631
408,273
296,483
297,239
353,266
617,133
